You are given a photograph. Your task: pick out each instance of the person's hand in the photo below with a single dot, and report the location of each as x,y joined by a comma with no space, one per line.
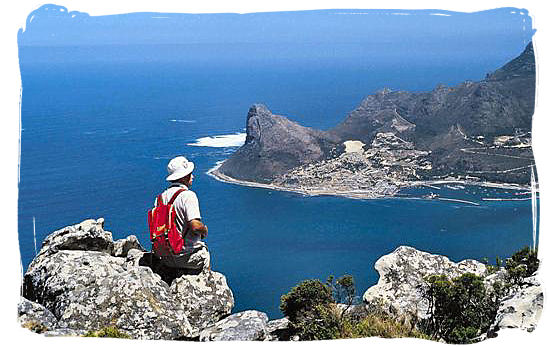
204,233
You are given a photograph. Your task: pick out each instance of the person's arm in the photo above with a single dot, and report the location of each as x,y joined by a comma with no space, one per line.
198,227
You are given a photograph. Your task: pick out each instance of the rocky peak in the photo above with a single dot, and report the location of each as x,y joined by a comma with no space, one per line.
259,116
274,144
521,66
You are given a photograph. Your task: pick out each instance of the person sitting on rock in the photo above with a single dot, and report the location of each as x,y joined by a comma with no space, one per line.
194,256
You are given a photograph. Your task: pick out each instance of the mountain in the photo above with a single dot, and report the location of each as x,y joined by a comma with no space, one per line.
274,145
480,130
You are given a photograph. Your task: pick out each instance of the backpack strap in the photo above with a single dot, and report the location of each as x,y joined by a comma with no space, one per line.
172,199
175,196
159,200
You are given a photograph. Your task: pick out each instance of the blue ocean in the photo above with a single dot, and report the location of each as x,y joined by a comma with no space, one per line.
97,135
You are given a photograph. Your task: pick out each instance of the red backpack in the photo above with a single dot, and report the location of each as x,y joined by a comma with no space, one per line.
163,230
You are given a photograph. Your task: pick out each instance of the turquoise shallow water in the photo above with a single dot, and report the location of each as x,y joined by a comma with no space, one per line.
96,139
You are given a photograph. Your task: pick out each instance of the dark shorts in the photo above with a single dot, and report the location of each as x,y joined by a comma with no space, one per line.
198,259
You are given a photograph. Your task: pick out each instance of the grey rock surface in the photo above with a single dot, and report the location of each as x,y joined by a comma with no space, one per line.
35,317
243,326
278,329
90,290
65,332
273,145
522,308
401,284
121,247
205,297
87,290
85,236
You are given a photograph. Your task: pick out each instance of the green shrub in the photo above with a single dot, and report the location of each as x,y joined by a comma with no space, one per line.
491,269
322,322
460,309
522,264
312,310
304,298
108,332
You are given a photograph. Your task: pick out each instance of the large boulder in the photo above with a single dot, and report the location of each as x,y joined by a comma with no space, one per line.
91,290
243,326
205,298
401,285
88,282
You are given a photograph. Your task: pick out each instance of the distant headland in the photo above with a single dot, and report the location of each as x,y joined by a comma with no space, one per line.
476,133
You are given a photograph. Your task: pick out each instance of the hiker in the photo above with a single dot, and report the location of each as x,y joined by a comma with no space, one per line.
179,248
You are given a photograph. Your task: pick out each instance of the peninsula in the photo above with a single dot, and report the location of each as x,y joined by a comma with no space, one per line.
474,133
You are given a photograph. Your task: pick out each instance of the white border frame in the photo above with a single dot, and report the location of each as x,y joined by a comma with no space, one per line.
15,16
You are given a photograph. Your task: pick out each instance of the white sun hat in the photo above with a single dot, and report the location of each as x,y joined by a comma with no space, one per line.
179,167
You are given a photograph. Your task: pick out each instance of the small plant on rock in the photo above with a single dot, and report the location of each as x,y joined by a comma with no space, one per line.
111,331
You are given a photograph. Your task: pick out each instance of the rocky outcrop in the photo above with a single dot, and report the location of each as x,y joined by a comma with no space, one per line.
273,145
70,291
521,308
86,287
243,326
205,298
400,288
122,247
402,279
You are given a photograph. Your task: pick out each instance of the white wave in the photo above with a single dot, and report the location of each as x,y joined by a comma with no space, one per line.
230,140
440,14
182,121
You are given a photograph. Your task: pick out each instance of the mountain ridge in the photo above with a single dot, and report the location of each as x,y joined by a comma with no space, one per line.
478,129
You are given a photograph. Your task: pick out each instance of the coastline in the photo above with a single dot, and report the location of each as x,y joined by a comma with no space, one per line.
367,194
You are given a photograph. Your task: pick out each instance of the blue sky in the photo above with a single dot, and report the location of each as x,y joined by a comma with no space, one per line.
52,25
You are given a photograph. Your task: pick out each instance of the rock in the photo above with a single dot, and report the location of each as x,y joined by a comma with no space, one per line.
278,329
121,247
521,309
205,297
89,290
243,326
86,282
273,145
65,332
35,317
86,236
401,284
